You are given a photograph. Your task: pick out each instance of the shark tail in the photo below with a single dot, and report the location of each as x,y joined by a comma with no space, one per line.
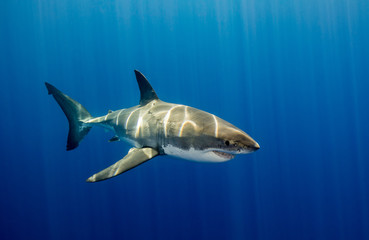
76,115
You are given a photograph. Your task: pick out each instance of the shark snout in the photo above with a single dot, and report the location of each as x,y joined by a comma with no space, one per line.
242,142
251,145
255,146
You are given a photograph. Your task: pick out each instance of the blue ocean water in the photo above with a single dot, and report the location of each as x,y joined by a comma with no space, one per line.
292,74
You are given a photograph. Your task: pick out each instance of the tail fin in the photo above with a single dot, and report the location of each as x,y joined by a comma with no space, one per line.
76,115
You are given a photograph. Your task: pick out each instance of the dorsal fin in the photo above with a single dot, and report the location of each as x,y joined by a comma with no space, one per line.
147,92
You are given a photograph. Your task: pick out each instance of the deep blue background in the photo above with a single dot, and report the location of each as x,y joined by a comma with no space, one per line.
293,74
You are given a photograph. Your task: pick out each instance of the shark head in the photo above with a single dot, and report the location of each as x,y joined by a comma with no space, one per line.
230,141
207,138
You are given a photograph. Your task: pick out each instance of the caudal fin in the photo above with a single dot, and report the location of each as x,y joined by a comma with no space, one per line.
76,115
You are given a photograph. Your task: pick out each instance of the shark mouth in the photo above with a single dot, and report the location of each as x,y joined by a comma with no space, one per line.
224,155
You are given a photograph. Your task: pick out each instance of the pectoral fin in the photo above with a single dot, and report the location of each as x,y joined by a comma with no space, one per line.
135,157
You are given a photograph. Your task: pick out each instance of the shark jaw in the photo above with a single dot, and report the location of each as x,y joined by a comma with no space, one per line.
206,155
225,155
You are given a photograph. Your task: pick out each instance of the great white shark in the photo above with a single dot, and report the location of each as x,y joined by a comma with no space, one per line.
155,127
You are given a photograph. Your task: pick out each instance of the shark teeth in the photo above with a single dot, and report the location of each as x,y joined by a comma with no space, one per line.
224,155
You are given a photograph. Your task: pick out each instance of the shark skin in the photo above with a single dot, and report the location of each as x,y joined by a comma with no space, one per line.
155,127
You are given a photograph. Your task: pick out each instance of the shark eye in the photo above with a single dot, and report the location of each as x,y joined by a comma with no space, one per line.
226,143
